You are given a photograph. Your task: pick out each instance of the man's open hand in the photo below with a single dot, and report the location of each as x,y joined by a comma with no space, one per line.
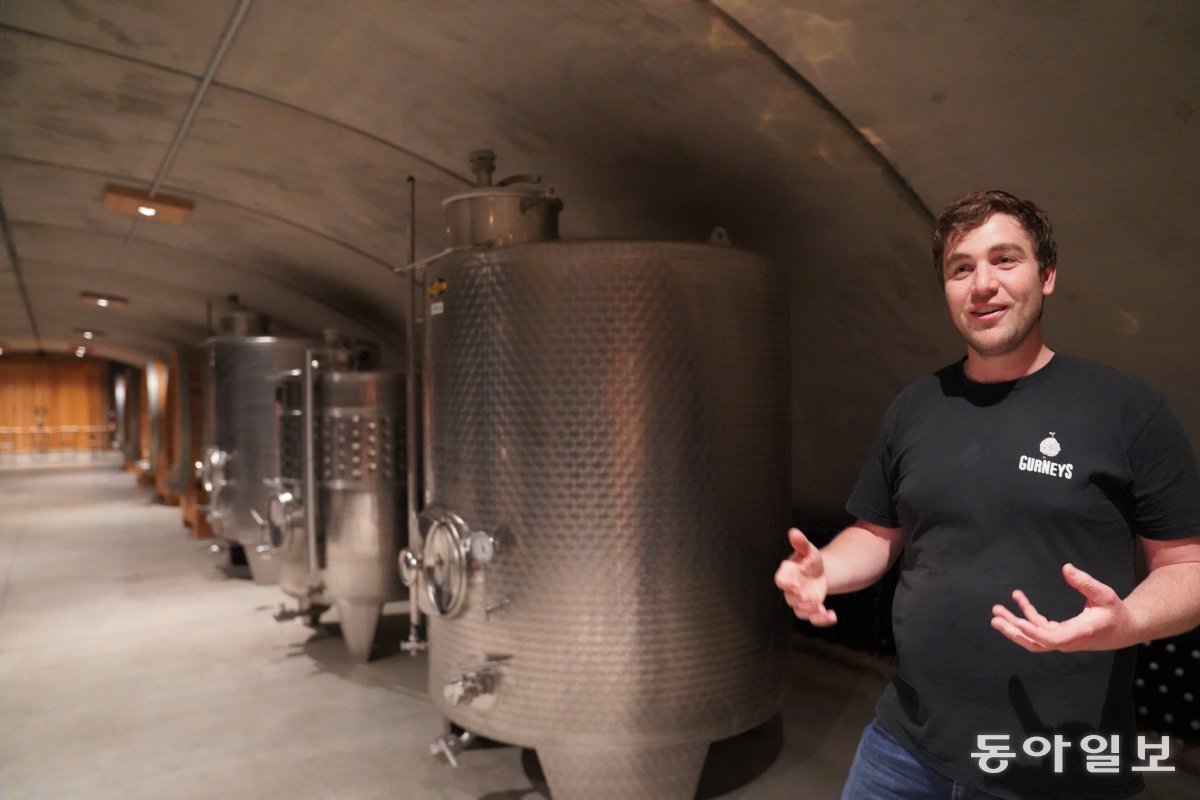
1104,624
802,579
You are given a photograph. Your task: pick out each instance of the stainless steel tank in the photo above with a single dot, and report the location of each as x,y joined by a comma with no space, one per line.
359,501
243,450
287,529
606,482
335,526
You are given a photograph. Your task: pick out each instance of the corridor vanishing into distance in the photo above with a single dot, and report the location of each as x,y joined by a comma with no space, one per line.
132,667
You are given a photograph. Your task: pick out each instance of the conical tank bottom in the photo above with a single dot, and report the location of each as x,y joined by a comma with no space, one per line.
264,569
669,772
359,621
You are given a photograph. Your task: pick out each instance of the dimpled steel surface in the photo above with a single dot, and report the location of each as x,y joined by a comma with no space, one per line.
245,373
615,413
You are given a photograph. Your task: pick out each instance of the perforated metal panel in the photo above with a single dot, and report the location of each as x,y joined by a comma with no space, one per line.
289,398
358,445
615,412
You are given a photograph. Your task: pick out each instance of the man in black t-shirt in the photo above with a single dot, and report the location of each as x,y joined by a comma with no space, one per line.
1015,473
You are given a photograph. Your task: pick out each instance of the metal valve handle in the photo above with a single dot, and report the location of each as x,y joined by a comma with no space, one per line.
450,553
278,526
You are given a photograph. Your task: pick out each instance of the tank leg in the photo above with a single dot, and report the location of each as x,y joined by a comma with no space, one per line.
264,570
312,616
623,773
359,620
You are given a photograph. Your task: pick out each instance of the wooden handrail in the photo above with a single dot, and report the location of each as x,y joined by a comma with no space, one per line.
38,438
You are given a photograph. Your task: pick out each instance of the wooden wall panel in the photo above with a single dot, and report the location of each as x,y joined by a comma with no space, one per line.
170,431
51,392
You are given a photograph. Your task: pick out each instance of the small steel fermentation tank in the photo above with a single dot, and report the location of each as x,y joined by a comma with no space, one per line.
335,519
241,432
605,488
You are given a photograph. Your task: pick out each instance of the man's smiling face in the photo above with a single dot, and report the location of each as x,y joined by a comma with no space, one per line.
994,288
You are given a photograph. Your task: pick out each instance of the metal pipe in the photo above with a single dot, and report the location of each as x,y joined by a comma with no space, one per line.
412,219
310,471
428,471
411,422
206,80
164,168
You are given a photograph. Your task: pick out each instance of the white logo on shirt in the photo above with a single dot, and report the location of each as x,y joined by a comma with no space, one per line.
1048,447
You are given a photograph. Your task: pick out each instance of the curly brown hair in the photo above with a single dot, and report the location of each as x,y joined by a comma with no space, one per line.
975,208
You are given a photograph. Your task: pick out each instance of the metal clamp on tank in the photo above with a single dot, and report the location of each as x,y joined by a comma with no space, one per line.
284,511
450,553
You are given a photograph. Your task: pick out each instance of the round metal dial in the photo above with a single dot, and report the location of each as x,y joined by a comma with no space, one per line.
444,567
483,547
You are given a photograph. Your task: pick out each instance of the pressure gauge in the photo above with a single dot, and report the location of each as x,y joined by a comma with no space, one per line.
483,547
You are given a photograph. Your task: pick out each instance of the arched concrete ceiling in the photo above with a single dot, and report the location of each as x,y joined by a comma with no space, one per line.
821,133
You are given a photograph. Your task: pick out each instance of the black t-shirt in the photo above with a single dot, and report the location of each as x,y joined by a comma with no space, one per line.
996,486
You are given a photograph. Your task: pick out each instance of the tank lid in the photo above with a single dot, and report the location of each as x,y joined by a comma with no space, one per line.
532,192
243,322
238,320
503,214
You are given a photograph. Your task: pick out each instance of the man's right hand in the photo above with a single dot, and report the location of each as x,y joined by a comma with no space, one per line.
802,579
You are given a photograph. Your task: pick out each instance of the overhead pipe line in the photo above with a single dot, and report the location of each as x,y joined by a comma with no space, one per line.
185,125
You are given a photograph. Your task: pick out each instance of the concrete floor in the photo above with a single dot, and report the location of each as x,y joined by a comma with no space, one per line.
131,667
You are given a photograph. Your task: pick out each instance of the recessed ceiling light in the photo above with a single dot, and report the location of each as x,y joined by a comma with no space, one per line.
88,334
138,203
80,351
103,300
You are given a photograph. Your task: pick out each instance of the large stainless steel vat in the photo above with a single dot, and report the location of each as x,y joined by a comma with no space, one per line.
336,527
606,480
244,441
360,508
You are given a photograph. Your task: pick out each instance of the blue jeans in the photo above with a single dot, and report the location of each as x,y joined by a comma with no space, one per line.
884,770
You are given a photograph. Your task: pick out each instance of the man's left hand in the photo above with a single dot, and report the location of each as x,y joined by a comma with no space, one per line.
1104,624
